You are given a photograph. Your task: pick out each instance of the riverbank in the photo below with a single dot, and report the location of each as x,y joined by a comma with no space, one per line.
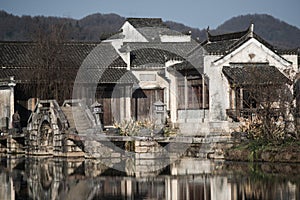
258,151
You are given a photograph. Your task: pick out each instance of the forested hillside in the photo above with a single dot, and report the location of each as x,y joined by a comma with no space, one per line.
96,27
277,32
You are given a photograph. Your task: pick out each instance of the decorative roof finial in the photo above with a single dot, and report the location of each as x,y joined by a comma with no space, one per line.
251,29
207,34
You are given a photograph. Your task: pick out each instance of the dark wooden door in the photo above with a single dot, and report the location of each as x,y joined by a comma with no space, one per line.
104,97
142,102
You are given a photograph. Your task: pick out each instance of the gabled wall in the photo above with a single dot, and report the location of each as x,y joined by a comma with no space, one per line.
251,51
258,52
131,34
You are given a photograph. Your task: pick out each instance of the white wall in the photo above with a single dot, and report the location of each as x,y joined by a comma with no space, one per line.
131,34
294,60
175,38
158,82
6,105
218,84
218,89
262,54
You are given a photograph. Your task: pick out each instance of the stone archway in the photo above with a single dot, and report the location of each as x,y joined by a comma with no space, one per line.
46,134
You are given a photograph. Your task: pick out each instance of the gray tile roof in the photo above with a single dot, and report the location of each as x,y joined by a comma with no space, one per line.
24,54
151,57
146,22
154,55
227,43
183,66
18,59
224,43
108,75
242,74
152,28
102,56
181,49
21,59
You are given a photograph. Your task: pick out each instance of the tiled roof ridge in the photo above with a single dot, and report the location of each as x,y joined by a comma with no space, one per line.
156,50
226,36
236,43
199,46
263,41
249,63
146,22
35,42
261,75
155,42
16,42
282,51
241,40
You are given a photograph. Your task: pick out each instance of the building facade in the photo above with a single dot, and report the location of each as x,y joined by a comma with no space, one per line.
203,87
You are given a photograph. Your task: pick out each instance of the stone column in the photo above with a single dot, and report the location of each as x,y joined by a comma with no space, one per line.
127,102
185,93
203,91
233,99
121,97
11,85
241,103
173,98
241,98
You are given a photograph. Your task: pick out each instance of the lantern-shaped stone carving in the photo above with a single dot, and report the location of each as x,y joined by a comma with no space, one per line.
97,110
159,112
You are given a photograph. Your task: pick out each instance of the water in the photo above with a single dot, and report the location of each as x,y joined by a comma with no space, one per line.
50,178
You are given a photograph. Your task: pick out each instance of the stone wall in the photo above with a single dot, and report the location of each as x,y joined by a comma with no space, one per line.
6,103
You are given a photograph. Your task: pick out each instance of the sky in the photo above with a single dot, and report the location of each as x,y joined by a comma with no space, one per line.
193,13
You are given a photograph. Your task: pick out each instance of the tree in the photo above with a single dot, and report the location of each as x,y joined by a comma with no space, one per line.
49,74
265,100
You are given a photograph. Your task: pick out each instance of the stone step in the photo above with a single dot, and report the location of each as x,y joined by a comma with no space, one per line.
81,123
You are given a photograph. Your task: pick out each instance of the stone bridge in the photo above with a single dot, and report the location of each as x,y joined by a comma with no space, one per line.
71,130
55,130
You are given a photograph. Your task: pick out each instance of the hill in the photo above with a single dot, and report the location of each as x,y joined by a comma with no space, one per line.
89,28
275,31
99,26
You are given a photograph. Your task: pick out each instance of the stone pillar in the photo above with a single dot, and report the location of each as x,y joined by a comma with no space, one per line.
129,188
127,102
203,91
11,85
168,192
174,189
122,98
173,98
233,99
241,98
185,93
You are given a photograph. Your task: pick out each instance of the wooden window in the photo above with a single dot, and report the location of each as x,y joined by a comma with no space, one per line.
194,93
190,94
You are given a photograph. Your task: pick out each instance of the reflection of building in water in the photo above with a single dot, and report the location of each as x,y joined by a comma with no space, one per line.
184,179
7,190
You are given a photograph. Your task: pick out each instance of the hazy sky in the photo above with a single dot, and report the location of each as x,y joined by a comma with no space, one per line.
194,13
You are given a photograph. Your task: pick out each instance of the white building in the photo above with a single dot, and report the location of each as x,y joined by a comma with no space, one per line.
147,63
195,81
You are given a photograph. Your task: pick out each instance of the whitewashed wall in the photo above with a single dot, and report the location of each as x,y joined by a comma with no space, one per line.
131,34
218,84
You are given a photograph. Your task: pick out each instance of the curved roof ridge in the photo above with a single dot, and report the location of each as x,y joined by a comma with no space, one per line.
146,22
227,36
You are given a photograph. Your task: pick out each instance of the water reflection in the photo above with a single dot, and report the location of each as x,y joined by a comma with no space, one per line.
50,178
